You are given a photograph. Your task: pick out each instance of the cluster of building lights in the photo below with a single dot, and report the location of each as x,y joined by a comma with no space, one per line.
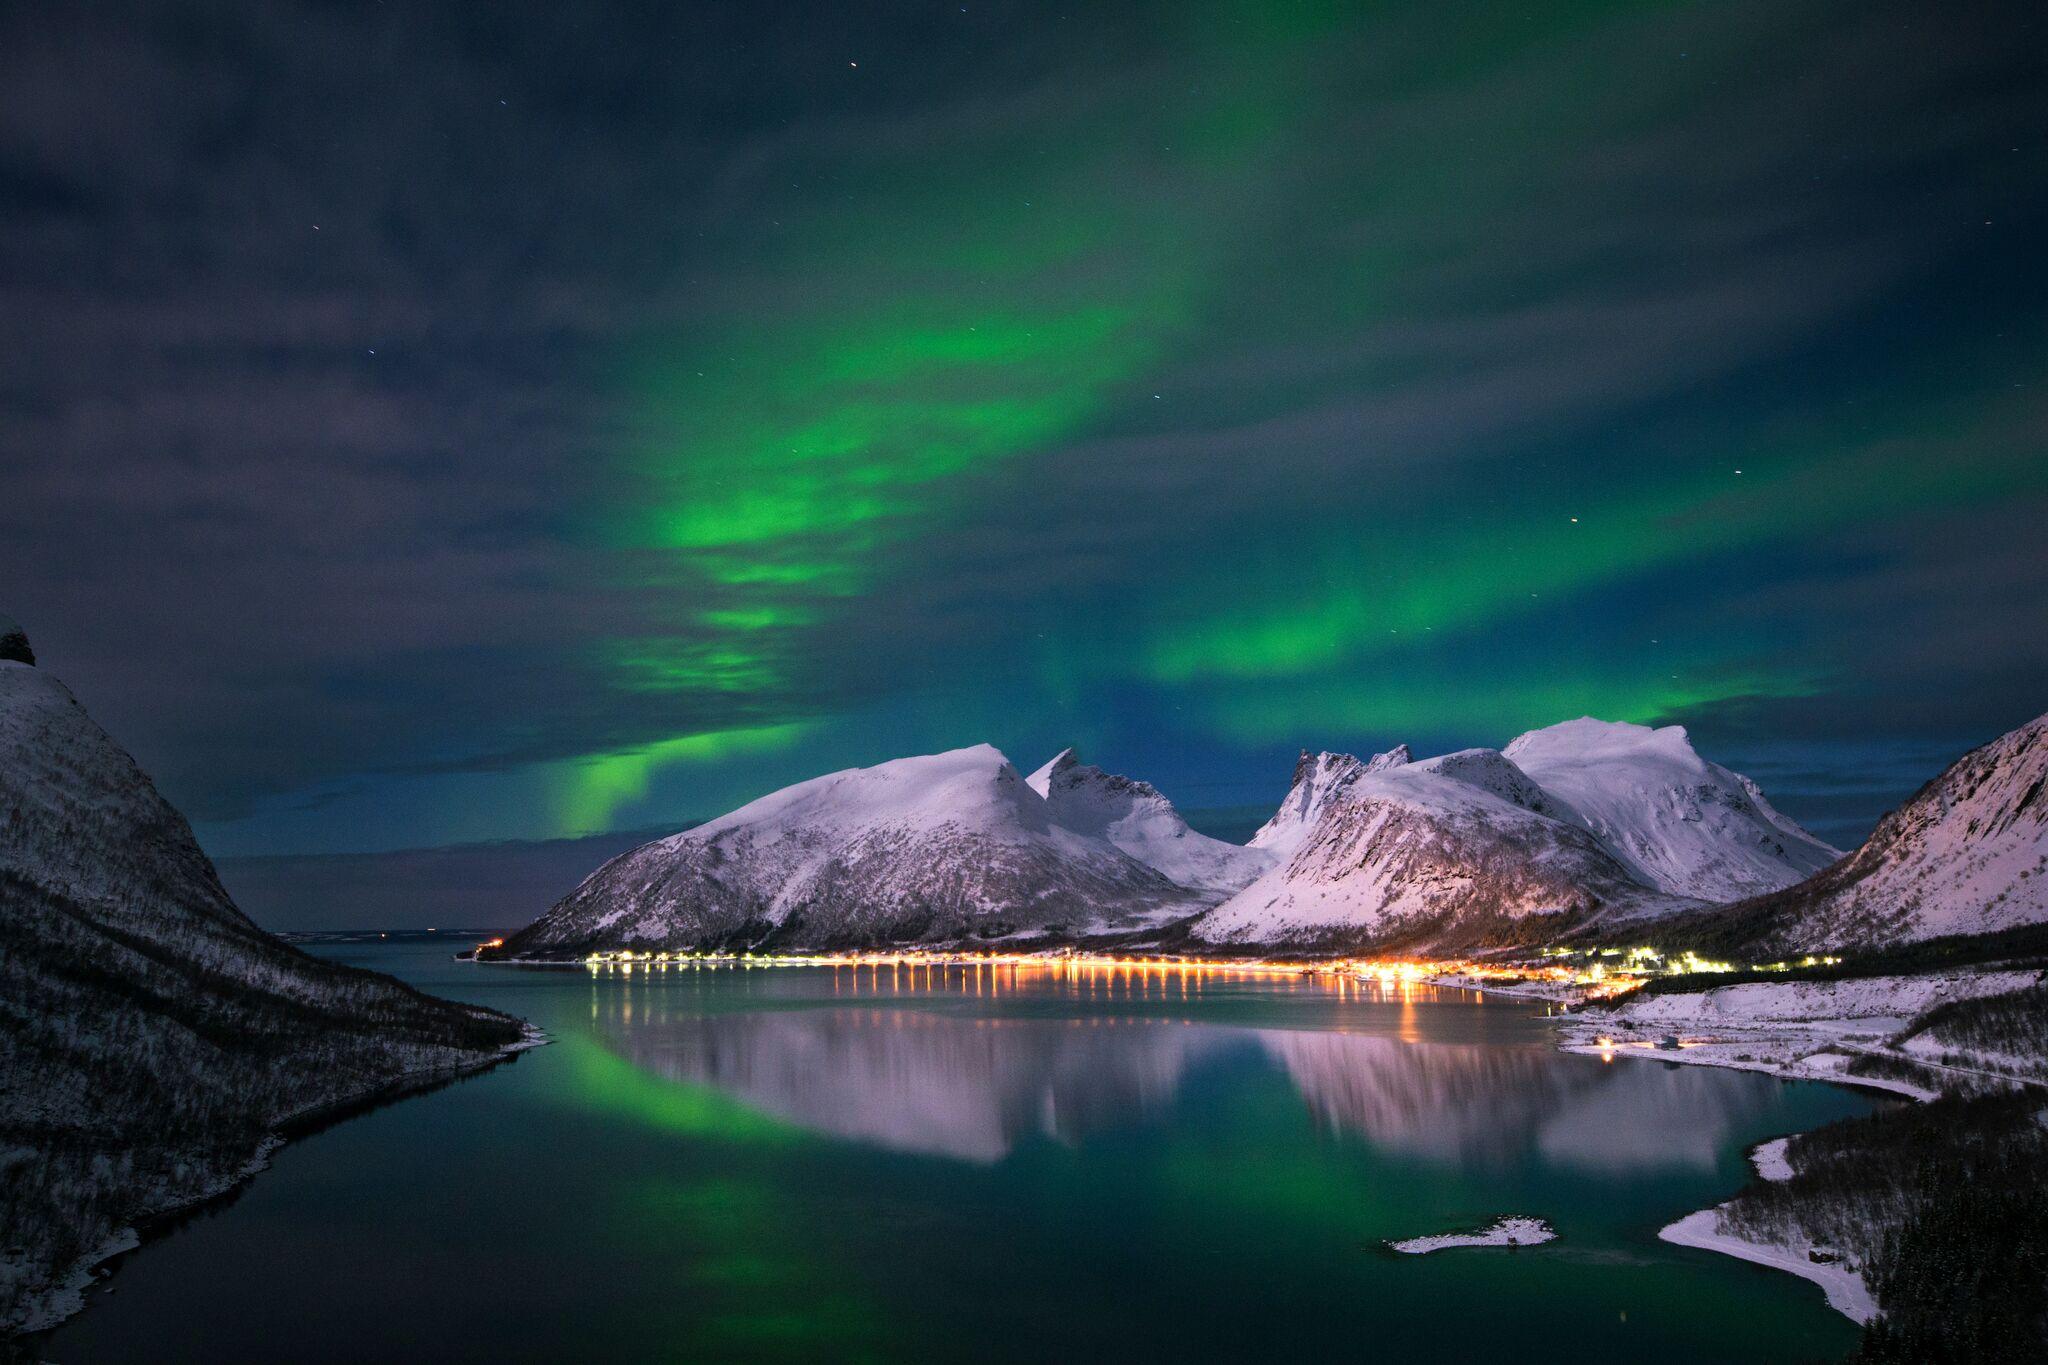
1390,972
1590,974
1607,972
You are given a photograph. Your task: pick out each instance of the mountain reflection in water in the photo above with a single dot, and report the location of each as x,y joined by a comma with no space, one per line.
955,1063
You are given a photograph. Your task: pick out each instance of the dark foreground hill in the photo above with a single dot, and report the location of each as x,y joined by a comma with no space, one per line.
153,1041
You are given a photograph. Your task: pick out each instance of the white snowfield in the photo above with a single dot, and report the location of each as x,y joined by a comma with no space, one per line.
1769,1159
1504,1232
1799,1030
1878,1002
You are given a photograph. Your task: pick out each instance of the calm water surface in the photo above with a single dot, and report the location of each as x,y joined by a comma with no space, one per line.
815,1164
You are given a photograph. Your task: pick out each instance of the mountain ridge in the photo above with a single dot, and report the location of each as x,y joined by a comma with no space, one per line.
156,1037
957,847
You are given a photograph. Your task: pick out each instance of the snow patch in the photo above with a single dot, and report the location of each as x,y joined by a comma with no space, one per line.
1846,1291
1502,1232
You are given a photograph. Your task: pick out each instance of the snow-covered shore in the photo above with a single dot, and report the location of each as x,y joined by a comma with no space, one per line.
1846,1292
1551,992
1797,1030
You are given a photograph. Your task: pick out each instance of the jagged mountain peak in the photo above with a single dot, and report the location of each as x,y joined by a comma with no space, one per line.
1493,772
1392,758
1317,778
1063,761
1443,852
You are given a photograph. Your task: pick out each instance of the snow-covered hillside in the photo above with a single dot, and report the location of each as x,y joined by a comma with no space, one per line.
1677,822
1583,820
1615,820
1318,778
1448,851
1137,819
1967,854
929,849
150,1035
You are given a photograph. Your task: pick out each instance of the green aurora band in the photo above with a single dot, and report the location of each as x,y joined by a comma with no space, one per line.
895,364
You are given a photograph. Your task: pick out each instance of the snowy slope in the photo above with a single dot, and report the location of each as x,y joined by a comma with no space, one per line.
928,849
1677,822
1448,851
1967,854
152,1034
1318,778
1137,819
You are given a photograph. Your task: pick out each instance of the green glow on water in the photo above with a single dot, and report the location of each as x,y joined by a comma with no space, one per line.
806,1164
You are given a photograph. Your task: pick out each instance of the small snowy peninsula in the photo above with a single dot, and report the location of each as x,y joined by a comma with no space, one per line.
1502,1232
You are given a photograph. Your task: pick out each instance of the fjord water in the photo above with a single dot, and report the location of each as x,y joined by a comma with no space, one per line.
960,1165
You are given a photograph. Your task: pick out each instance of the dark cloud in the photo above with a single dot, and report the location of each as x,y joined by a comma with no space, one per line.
329,331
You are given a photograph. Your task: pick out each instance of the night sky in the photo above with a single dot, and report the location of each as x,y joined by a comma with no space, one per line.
427,424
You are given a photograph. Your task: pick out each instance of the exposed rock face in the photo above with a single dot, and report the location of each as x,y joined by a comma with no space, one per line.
1967,854
939,848
14,642
1133,816
151,1036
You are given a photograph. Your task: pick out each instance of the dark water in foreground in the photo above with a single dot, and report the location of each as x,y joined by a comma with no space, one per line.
809,1164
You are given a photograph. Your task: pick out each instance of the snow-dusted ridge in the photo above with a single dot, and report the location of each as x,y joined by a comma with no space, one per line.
1614,820
195,1037
1966,854
1570,825
1678,823
938,848
1134,817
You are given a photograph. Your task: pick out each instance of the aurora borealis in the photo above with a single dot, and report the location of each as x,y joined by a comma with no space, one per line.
435,426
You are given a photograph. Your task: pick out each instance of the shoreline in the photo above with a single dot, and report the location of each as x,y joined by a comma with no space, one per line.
1844,1288
65,1297
1816,1034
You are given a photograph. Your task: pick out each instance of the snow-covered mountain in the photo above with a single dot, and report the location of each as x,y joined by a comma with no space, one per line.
1677,822
930,849
1318,778
1582,820
1614,819
1137,819
1967,854
1453,850
151,1036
